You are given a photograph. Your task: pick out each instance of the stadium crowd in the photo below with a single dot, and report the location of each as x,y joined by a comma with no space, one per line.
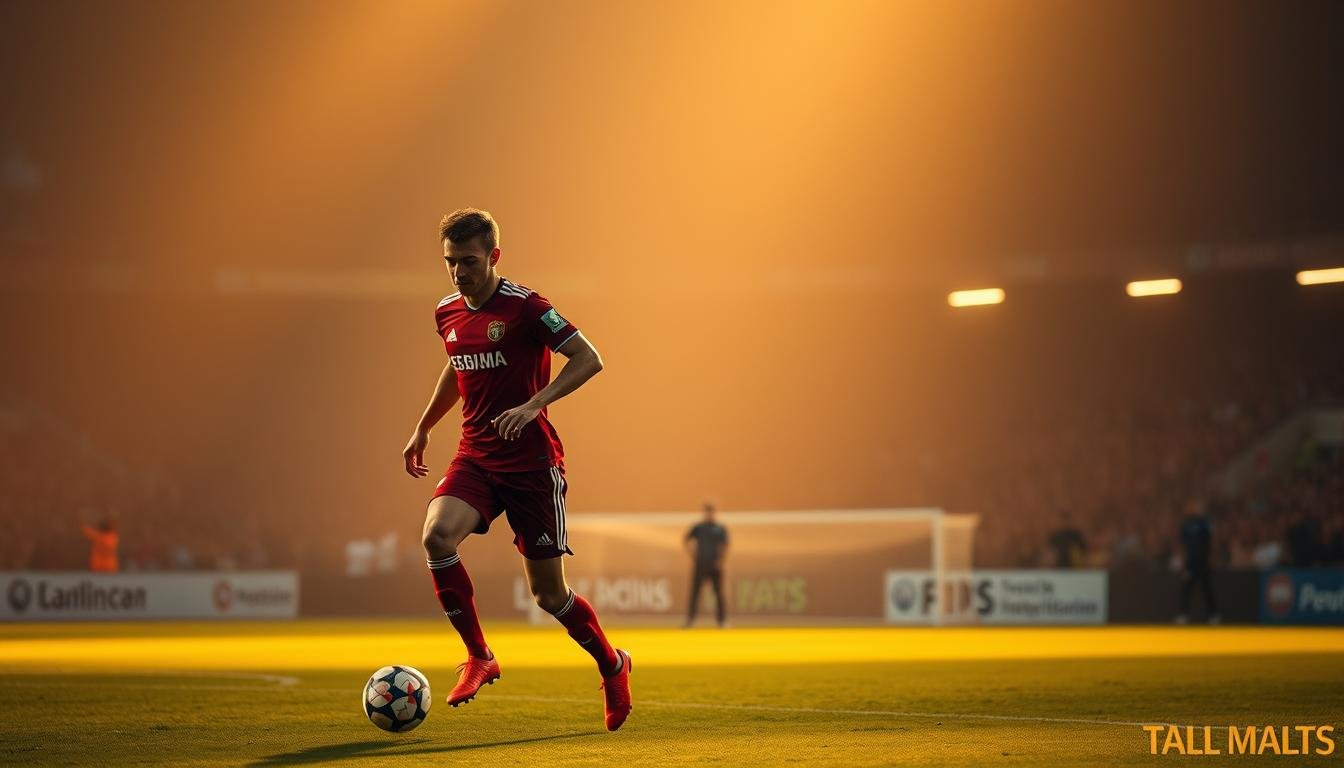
1092,458
1089,488
1110,486
54,481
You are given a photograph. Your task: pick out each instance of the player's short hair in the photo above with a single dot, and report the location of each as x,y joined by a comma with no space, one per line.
463,224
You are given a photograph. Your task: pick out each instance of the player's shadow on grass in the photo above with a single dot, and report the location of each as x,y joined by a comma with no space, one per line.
351,749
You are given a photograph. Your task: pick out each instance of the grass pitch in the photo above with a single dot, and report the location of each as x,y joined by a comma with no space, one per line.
280,694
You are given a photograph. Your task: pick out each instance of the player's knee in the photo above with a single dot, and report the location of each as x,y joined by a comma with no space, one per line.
551,600
439,542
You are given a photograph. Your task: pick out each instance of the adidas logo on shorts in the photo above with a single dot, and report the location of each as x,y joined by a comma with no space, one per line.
544,540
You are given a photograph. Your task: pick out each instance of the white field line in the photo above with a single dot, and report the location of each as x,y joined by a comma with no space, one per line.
281,680
285,682
859,712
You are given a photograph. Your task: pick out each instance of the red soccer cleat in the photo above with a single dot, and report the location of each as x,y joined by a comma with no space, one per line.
473,674
616,689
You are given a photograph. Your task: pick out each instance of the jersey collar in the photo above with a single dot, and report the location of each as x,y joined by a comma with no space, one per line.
467,304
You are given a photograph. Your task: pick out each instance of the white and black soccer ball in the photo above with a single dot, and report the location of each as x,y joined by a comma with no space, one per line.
397,698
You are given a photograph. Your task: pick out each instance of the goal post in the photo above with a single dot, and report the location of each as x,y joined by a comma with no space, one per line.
825,566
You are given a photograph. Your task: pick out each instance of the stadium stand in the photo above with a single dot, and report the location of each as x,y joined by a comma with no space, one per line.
53,478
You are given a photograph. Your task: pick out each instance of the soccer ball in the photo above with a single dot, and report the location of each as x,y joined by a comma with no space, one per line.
397,698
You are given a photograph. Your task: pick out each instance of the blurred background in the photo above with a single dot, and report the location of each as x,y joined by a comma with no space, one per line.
218,268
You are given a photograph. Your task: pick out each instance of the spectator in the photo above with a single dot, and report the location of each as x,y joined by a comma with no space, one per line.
1067,543
1304,539
1197,541
103,546
1267,554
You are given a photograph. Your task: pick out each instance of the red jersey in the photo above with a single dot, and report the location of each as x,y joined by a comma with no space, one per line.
501,353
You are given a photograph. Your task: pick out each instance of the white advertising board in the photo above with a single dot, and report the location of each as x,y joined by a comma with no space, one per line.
82,596
997,597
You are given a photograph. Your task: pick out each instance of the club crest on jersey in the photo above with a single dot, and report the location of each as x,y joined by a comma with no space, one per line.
495,331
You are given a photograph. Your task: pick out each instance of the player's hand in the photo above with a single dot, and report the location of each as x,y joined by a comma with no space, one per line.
414,455
510,423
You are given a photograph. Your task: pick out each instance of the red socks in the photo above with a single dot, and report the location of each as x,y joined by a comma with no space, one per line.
580,620
452,585
453,588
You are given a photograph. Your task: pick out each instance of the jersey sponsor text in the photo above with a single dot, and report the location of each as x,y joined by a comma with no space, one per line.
479,361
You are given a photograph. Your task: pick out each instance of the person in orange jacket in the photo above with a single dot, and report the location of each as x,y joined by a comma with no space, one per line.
103,542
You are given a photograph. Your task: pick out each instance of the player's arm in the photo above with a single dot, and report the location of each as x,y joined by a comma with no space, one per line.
444,398
583,364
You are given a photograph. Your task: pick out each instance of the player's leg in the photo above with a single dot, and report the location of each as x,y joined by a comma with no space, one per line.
463,504
721,606
546,579
1210,601
536,510
1187,585
697,585
448,521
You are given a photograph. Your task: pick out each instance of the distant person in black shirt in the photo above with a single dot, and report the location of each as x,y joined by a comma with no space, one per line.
1197,541
707,544
1334,542
1068,544
1305,540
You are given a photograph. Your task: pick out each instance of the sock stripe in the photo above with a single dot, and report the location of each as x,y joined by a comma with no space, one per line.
444,562
568,604
580,621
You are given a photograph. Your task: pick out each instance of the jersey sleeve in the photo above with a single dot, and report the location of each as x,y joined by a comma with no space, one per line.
438,321
545,324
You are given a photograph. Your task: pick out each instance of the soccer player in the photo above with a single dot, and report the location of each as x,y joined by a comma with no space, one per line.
499,337
707,543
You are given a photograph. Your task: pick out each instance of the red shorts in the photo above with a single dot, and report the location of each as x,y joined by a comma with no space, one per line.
533,501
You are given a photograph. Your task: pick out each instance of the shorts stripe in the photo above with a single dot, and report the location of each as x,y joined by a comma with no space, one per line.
558,498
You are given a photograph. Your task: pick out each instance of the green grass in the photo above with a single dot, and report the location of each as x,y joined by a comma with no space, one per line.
83,711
